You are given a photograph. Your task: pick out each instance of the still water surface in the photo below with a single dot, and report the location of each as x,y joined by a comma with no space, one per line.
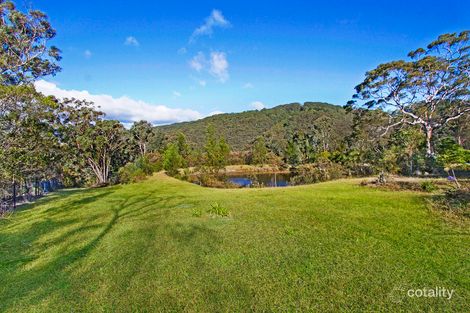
262,180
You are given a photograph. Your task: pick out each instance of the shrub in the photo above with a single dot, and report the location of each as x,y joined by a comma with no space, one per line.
140,168
130,173
239,158
317,172
150,163
428,186
172,160
207,178
184,174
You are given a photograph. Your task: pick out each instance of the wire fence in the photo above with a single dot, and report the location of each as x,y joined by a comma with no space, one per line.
15,193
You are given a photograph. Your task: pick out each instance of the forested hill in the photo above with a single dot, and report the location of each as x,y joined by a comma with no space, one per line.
241,129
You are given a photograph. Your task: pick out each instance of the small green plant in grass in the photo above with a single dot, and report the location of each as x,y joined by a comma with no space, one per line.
428,186
197,212
288,230
218,210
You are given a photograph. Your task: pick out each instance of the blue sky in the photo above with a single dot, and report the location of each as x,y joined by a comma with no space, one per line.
197,57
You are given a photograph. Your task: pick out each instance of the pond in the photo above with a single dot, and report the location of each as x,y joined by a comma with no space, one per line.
260,179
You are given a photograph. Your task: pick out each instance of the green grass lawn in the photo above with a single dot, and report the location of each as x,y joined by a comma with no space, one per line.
152,247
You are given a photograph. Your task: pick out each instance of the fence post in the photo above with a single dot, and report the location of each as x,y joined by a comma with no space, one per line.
14,195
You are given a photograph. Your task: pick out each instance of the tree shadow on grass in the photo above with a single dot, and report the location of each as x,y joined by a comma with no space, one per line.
23,281
60,202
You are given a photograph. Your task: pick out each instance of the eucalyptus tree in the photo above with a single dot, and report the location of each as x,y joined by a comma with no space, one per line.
142,133
28,120
101,145
430,90
29,139
91,141
24,53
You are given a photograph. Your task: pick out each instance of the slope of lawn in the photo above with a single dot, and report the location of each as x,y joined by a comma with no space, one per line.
152,247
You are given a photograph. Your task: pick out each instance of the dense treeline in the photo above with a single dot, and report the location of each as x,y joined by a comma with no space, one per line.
241,129
408,118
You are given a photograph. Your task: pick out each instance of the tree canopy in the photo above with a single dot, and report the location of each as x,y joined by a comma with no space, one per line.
24,53
430,90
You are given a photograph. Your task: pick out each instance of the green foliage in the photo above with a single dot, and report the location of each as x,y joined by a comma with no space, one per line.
24,53
139,169
216,150
259,152
217,209
241,129
389,161
183,149
182,145
408,144
317,172
293,154
100,144
430,90
451,155
172,160
428,186
145,137
131,173
45,137
29,134
149,163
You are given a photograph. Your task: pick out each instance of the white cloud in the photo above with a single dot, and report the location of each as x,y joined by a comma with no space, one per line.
176,94
257,105
131,41
248,86
87,54
216,19
198,62
124,109
182,50
219,66
203,83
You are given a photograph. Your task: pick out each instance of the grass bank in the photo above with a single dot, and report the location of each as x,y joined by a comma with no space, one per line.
152,247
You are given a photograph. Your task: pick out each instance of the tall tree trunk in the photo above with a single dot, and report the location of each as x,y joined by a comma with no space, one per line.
98,170
14,193
429,149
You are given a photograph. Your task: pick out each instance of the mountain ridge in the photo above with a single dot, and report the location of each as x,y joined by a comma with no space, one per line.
241,129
